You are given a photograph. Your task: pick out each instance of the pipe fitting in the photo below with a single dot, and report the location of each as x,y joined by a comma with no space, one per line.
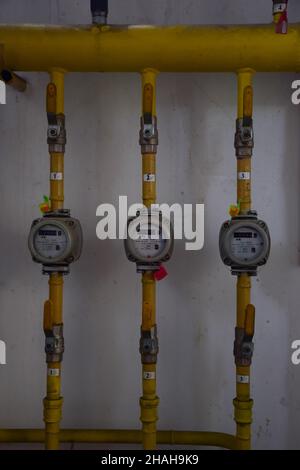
54,344
13,80
243,411
149,346
149,410
52,410
56,133
244,138
148,134
280,17
243,348
99,10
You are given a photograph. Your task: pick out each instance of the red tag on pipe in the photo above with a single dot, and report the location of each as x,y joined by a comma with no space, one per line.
282,25
161,273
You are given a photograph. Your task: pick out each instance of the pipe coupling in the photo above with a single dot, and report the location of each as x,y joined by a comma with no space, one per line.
243,411
52,410
54,344
149,346
149,413
56,133
148,134
244,138
243,348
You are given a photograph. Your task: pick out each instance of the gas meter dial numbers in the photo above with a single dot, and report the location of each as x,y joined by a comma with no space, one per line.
244,244
50,241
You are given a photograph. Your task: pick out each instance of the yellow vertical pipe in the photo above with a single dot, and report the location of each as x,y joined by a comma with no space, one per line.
242,403
53,401
57,158
58,78
149,401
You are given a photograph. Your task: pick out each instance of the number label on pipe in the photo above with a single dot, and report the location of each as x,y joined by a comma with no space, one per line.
54,372
244,175
149,177
149,375
56,176
242,379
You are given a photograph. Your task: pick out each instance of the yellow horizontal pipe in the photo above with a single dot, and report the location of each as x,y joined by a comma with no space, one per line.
135,48
214,439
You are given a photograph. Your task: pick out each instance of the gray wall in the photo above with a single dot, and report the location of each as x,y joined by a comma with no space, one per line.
196,304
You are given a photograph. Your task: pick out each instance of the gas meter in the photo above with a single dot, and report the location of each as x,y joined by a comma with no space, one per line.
55,240
149,240
244,243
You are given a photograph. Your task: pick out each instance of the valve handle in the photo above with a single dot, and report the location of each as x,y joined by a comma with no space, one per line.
250,321
51,98
148,99
48,315
248,101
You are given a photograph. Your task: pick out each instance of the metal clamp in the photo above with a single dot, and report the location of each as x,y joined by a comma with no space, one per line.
54,344
243,348
149,346
244,138
56,133
148,134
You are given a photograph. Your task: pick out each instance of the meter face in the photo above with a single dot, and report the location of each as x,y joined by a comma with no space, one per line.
246,244
147,247
50,241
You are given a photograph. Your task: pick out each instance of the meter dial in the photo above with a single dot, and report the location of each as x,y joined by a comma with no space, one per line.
147,247
149,239
246,244
50,241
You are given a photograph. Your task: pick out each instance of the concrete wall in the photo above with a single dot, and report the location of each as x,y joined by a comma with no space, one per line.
196,304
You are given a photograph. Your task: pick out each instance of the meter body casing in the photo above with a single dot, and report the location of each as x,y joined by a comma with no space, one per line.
244,243
55,241
155,243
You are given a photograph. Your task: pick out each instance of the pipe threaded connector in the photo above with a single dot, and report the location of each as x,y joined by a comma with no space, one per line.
52,410
149,413
243,411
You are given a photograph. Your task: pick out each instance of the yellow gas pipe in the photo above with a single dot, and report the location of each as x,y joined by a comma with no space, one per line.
177,48
53,316
245,311
149,401
124,436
